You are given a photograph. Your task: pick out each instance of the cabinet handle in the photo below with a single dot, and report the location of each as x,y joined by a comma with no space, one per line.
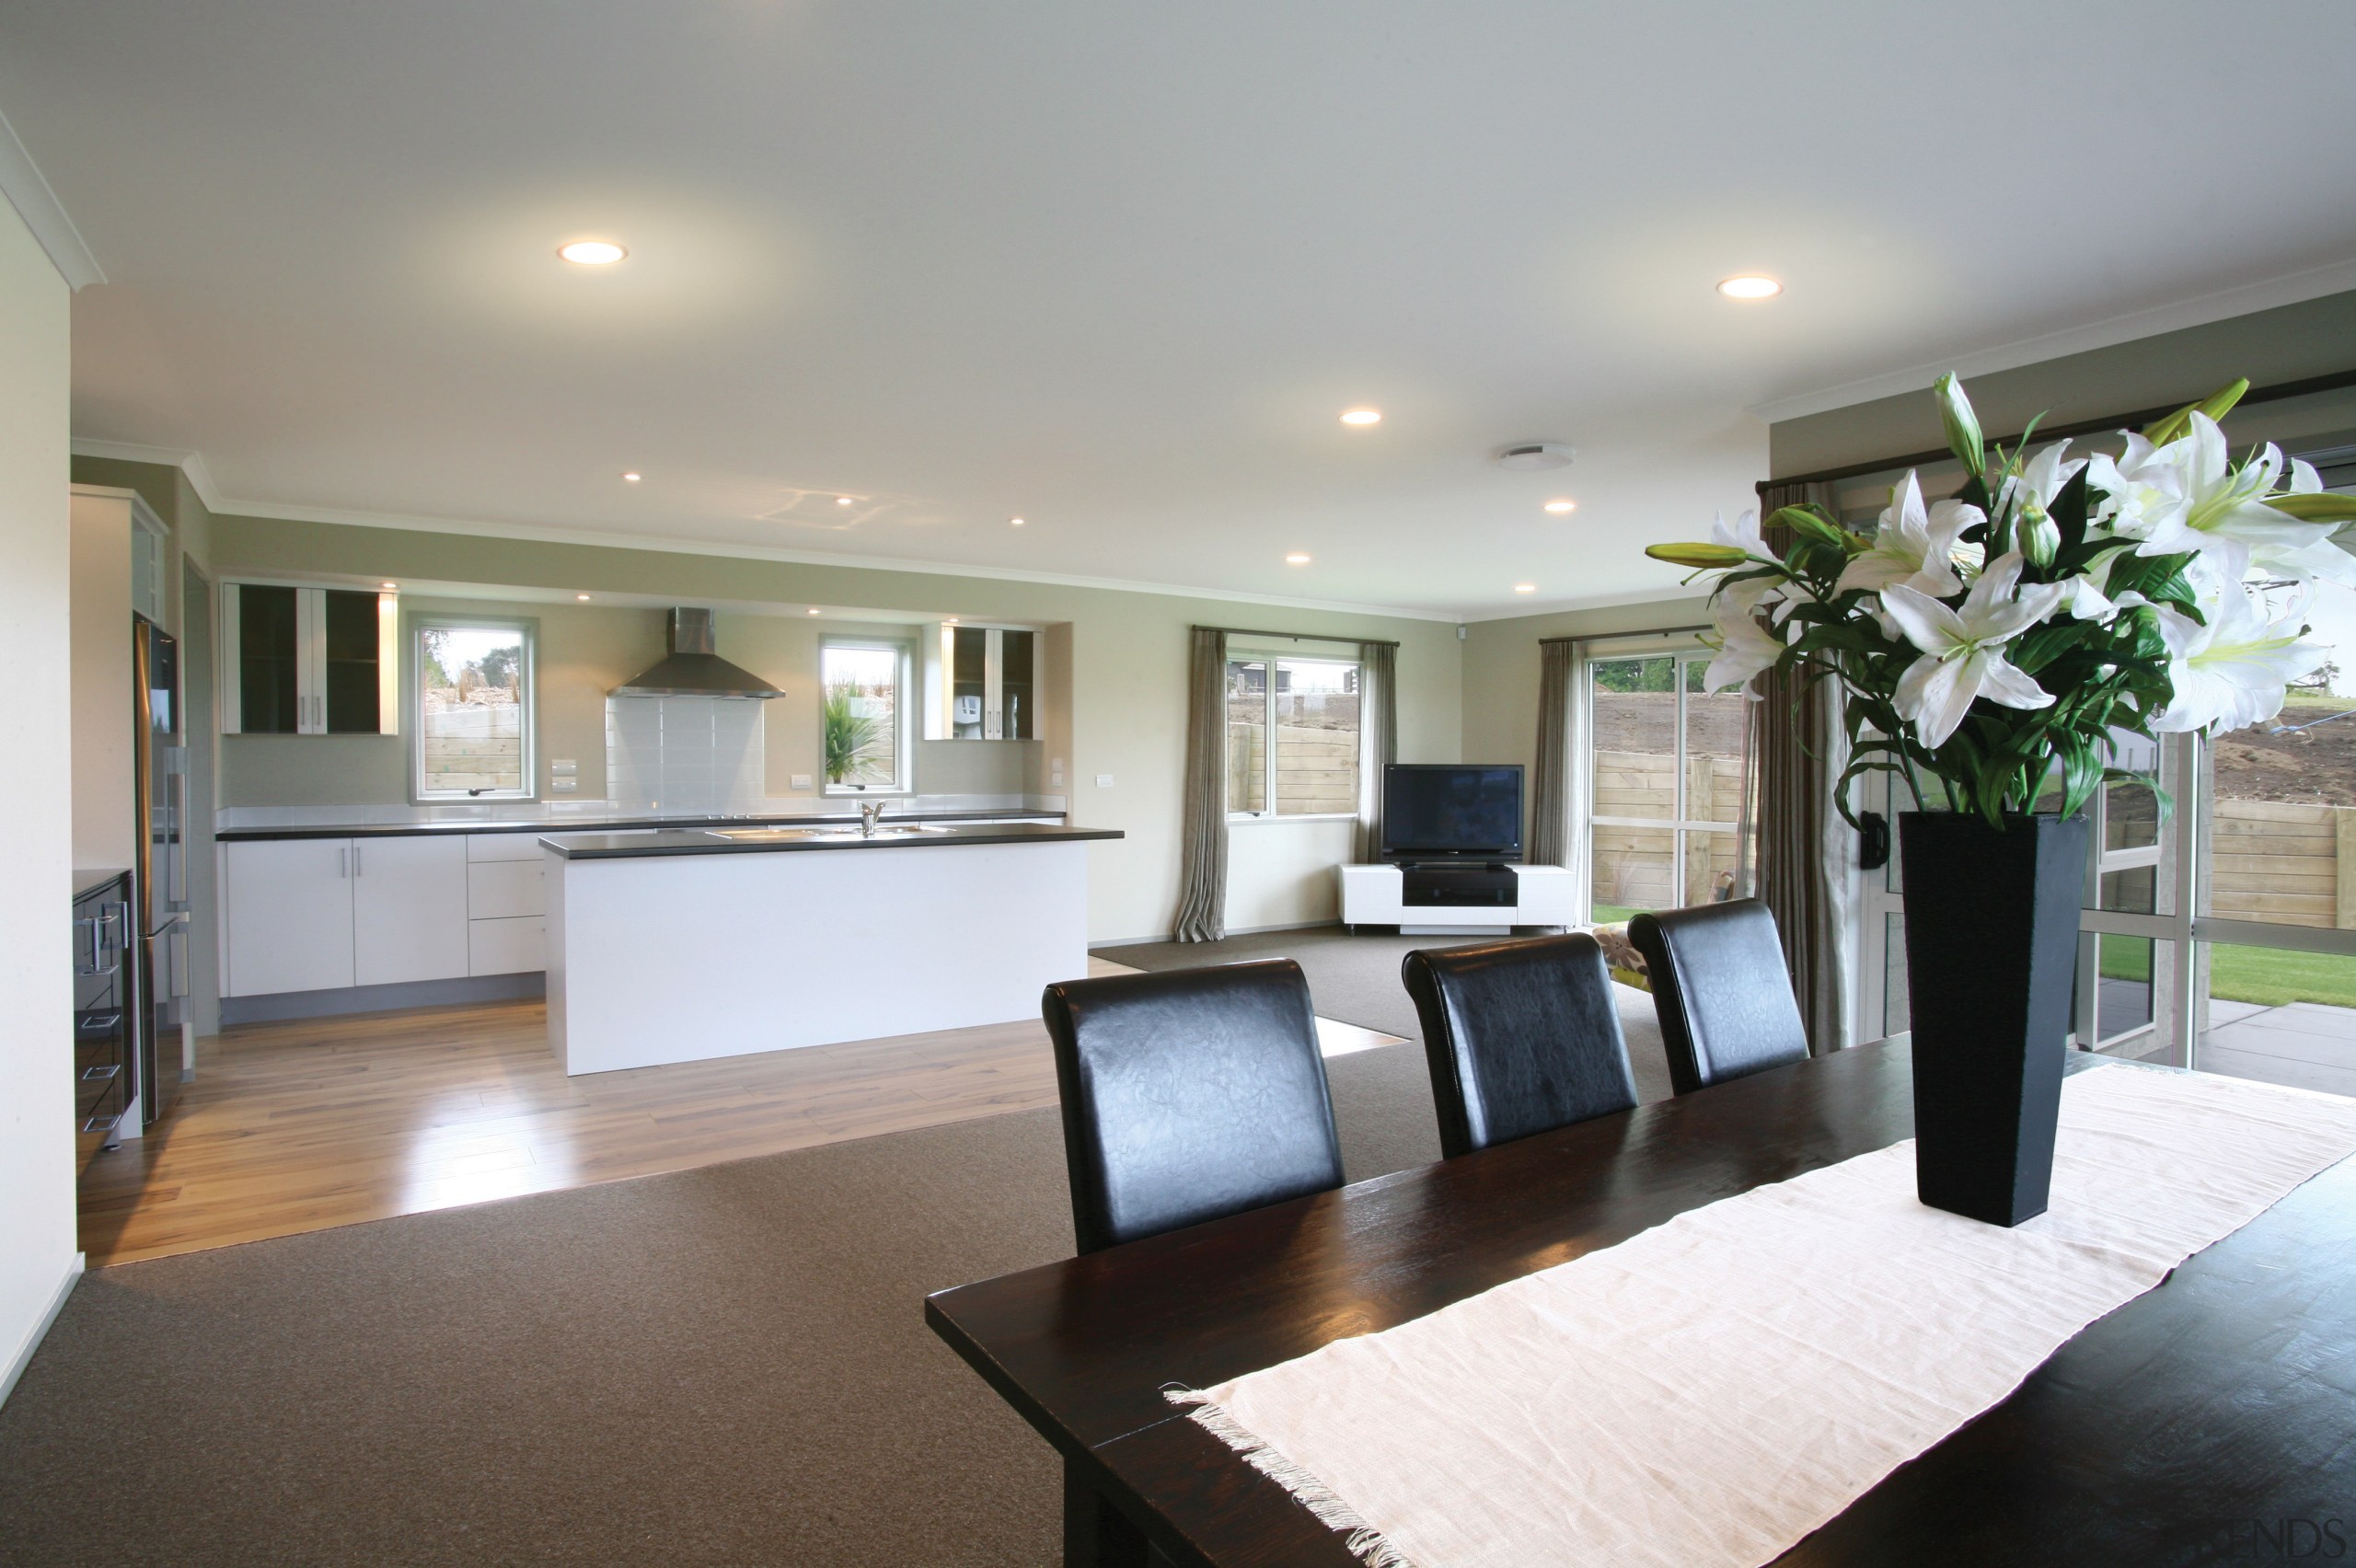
356,861
343,862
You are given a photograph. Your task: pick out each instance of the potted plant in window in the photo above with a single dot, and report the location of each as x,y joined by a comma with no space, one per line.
1986,647
849,733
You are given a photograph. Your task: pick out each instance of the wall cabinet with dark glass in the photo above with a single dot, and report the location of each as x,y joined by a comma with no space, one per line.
309,661
983,683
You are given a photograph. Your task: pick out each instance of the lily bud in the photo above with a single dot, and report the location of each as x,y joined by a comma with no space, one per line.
1962,425
1700,556
2316,506
2037,537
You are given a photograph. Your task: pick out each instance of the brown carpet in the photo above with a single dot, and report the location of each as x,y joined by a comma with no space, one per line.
1354,977
725,1366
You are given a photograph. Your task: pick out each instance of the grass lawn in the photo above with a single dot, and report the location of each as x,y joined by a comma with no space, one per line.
2271,977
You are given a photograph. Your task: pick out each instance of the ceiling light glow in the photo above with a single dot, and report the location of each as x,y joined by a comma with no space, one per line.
389,587
1014,522
1751,285
632,477
591,252
1559,507
813,609
1362,415
1296,558
1525,587
583,598
843,500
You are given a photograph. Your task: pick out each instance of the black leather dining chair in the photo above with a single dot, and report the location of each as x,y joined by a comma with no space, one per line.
1721,990
1189,1095
1521,1036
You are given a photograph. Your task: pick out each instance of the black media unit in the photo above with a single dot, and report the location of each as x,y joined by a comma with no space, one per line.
1458,886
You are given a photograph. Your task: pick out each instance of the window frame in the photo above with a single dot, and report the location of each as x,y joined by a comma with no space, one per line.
904,781
413,702
1272,658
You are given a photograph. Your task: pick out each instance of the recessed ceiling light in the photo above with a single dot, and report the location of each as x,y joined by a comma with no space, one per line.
813,609
632,477
583,598
1296,558
1014,522
1562,506
1525,587
843,500
1751,285
390,586
953,620
591,252
1362,415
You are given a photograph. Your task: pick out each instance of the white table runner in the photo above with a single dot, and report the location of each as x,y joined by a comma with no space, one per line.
1711,1390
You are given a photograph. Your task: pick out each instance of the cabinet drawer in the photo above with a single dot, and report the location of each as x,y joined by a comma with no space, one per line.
498,890
504,847
506,947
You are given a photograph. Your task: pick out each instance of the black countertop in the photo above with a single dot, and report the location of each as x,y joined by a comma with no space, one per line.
639,845
613,825
88,878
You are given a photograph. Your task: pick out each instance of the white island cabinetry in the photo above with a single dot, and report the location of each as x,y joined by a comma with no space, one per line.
675,949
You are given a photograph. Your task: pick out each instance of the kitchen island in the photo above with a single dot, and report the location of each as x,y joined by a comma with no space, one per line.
676,947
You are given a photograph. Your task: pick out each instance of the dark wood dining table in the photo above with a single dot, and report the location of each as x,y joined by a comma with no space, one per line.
2210,1420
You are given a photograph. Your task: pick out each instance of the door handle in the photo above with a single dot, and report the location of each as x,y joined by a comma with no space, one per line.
1873,848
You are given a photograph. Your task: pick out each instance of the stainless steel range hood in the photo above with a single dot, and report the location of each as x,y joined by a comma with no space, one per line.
695,668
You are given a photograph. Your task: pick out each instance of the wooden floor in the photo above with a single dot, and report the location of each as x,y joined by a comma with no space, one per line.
301,1126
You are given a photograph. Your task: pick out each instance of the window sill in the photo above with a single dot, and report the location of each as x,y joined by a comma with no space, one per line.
463,798
1240,819
832,793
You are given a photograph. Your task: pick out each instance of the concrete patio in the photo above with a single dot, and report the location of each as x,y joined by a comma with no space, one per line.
2303,1044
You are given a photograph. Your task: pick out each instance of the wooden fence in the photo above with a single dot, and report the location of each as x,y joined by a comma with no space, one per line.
2288,864
1633,868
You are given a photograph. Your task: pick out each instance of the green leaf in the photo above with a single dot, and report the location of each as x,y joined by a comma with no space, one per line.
2068,512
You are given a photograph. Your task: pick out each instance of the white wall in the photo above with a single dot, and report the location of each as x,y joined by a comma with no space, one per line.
38,1258
1281,873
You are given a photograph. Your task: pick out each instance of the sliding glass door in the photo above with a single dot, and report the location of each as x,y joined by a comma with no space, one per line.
1668,791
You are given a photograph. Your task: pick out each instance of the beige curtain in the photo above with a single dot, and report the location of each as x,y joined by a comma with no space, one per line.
1378,740
1202,871
1807,854
1550,785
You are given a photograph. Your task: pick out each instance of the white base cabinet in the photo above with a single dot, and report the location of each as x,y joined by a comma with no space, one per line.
1374,895
289,909
408,905
322,913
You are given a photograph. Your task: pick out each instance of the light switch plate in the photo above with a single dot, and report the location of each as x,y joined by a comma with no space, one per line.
564,786
1104,781
801,781
564,766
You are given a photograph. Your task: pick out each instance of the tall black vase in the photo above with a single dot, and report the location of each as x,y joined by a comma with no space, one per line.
1991,948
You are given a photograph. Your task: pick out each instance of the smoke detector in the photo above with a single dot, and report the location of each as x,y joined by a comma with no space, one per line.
1529,456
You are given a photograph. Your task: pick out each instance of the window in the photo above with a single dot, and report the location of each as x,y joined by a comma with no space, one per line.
1292,737
1668,786
865,741
474,711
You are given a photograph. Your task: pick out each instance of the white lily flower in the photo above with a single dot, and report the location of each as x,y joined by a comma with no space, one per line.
2143,487
2235,670
2224,513
1740,646
1911,546
2328,559
1963,656
1743,536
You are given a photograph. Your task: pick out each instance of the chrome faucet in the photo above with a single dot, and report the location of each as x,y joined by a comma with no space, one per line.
870,814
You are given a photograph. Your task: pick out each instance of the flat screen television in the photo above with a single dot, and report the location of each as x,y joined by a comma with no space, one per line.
1446,811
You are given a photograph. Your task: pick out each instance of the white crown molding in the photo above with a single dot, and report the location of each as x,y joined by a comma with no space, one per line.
192,463
21,182
1585,602
535,534
2199,311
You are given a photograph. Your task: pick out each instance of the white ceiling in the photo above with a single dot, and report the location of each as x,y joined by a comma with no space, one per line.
1116,268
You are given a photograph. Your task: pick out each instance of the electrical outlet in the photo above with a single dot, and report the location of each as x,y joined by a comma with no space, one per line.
562,766
564,786
1104,781
801,781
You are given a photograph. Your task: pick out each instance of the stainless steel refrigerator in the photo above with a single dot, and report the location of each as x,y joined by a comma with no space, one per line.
159,892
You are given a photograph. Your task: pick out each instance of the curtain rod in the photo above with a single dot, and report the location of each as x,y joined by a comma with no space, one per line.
1297,635
1616,636
2331,383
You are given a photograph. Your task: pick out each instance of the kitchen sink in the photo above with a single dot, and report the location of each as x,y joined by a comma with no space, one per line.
788,835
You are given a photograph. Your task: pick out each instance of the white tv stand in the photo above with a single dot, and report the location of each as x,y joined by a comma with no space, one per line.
1375,895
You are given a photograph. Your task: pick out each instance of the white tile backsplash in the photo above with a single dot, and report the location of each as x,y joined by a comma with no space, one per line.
683,756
